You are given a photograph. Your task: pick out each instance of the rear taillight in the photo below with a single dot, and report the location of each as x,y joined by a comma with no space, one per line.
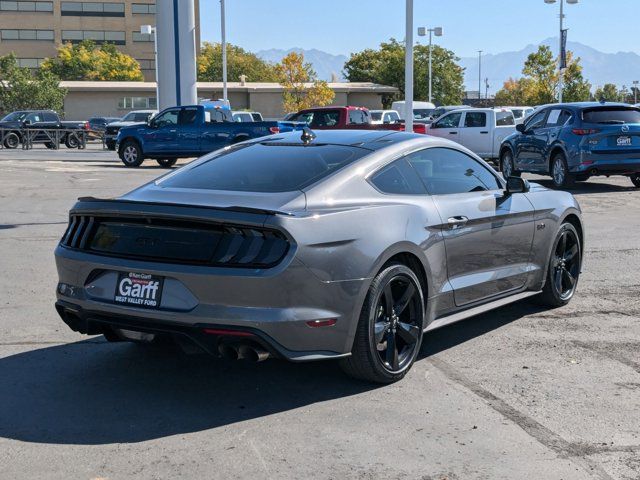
584,131
420,128
86,126
274,129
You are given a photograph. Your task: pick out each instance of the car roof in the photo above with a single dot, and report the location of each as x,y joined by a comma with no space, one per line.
370,139
582,105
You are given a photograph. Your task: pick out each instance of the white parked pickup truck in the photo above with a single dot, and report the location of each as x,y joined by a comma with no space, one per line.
481,130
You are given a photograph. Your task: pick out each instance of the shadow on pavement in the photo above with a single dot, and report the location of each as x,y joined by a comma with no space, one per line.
591,186
93,392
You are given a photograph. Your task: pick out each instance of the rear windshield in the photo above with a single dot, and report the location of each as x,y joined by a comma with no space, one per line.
376,115
266,167
504,119
518,112
136,117
611,115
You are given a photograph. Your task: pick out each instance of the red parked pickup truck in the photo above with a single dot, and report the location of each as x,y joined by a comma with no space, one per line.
340,118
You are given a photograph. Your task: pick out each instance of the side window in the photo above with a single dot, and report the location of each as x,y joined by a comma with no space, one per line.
447,171
325,118
50,117
398,178
386,118
565,117
536,121
34,117
167,119
553,117
394,117
356,117
188,116
449,121
505,119
475,119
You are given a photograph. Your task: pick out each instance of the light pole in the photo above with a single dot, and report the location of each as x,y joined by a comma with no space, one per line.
437,31
148,30
408,68
223,44
560,80
635,91
479,74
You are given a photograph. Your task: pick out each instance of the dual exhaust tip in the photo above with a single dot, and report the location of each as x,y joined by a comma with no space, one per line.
230,351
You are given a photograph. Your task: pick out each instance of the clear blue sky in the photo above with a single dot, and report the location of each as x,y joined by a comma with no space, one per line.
345,26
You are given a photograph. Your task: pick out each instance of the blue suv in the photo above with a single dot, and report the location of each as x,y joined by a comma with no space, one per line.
574,141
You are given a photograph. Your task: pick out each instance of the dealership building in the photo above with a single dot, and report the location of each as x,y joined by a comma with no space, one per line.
33,29
88,99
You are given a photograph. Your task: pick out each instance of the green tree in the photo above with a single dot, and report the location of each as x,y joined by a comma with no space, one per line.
239,62
87,61
540,81
20,89
607,93
302,89
386,66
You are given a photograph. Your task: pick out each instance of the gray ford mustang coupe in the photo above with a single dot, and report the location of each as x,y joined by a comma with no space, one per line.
343,245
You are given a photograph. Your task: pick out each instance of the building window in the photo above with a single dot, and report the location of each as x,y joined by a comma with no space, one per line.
30,62
7,34
143,8
146,64
137,103
142,37
92,9
22,6
97,36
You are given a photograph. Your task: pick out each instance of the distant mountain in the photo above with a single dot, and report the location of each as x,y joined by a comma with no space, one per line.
325,64
598,67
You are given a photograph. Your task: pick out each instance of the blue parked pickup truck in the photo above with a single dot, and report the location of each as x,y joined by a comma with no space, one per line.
188,131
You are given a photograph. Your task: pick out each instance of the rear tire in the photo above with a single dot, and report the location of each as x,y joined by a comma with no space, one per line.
563,269
71,141
131,154
166,162
507,166
635,179
560,172
389,332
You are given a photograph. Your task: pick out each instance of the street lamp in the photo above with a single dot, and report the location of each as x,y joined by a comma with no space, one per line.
479,74
148,30
223,44
437,31
570,2
408,68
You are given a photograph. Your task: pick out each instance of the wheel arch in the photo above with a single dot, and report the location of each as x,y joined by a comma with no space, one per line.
574,220
132,139
553,151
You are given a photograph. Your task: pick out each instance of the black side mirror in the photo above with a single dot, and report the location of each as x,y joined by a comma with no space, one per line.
26,122
516,185
520,127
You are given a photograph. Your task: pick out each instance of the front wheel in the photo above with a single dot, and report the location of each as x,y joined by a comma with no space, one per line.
131,154
560,173
11,140
390,328
635,179
507,166
564,267
166,162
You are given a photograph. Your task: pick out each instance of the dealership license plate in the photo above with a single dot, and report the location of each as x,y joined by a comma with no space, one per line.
138,290
623,141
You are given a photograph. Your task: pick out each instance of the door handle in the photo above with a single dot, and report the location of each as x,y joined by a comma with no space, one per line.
453,133
173,130
484,133
458,221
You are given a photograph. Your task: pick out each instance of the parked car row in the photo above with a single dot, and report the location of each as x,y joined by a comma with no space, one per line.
16,125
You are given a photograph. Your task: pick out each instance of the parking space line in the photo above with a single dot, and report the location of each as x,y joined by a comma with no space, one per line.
573,451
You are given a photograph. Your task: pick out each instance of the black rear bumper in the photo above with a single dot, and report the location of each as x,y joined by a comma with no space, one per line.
93,323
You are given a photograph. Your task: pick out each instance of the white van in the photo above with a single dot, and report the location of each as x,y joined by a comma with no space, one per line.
421,110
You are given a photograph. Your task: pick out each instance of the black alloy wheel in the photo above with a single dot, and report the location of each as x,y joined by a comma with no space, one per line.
564,267
390,329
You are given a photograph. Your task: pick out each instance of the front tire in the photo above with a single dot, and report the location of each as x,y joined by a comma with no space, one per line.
11,140
131,154
389,331
560,172
564,267
635,179
507,166
166,162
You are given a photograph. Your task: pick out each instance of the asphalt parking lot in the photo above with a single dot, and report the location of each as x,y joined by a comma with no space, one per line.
517,393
